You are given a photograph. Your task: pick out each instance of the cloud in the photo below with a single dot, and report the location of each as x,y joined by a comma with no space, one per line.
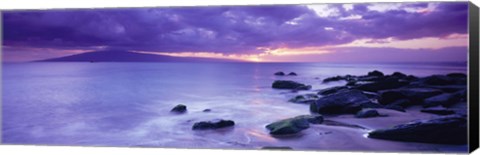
230,29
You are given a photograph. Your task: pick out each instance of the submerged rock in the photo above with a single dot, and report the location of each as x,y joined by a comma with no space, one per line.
395,107
179,108
444,130
293,125
286,84
338,78
207,110
345,102
366,113
214,124
438,111
279,73
292,74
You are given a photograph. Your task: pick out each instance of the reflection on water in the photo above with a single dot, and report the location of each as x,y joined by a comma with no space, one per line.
128,104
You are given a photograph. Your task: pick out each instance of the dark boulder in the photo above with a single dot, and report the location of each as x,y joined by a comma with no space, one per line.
293,125
443,130
306,99
366,113
276,148
457,75
438,80
279,73
438,111
335,78
207,110
445,99
345,102
286,84
375,73
292,74
179,108
415,95
399,75
388,83
214,124
332,90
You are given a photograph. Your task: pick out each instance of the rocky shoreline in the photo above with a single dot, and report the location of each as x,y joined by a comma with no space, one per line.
365,97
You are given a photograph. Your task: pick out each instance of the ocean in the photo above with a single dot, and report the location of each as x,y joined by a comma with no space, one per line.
128,104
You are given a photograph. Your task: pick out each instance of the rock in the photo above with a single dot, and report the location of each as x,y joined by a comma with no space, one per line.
438,80
345,102
179,108
207,110
214,124
335,78
375,73
279,74
366,113
399,75
438,111
445,99
286,84
450,88
371,95
402,103
293,125
292,74
457,75
332,90
388,83
307,98
395,107
443,130
415,95
368,78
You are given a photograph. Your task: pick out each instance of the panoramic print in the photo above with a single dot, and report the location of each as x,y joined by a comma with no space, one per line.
323,77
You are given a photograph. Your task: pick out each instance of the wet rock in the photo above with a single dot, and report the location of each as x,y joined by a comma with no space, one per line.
332,90
388,83
214,124
450,88
443,130
286,84
438,111
395,107
293,125
292,74
179,108
279,73
445,99
335,78
399,75
366,113
375,73
438,80
306,99
457,75
345,102
414,95
207,110
371,95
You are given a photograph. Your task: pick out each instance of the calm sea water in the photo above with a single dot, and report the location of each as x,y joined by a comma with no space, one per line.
128,104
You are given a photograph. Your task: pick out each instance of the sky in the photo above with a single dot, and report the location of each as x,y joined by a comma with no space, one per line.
359,32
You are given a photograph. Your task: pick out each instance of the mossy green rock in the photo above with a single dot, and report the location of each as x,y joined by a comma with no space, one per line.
293,125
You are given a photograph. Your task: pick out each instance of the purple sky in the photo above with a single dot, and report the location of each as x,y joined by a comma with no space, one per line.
432,31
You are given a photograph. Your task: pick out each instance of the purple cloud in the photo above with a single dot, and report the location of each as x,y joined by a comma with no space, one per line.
224,29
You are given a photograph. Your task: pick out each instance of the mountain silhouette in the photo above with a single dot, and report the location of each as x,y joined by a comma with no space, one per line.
126,56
